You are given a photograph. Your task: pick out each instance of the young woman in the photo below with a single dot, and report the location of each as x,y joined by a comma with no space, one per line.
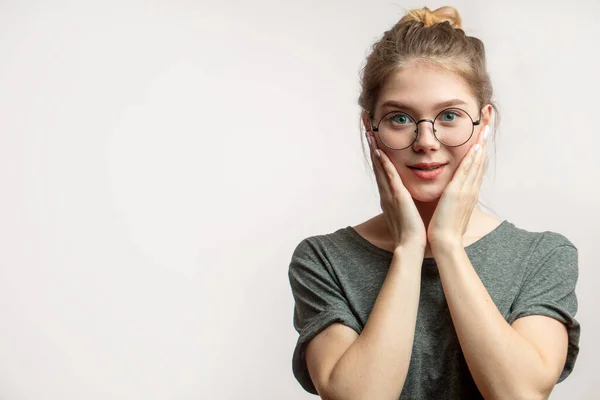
433,298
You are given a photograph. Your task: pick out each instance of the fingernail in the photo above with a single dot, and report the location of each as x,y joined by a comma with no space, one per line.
485,133
369,139
377,153
476,149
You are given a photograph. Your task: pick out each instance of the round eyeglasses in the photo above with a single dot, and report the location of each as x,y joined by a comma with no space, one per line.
452,127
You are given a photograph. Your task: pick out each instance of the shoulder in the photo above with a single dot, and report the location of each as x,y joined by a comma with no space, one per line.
519,249
534,240
324,243
544,242
537,248
319,250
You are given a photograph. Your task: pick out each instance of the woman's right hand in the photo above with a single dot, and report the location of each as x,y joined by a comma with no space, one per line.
400,212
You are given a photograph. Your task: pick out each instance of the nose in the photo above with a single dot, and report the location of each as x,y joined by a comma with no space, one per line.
425,136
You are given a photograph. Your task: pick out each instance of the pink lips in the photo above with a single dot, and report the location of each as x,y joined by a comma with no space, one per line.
426,165
428,175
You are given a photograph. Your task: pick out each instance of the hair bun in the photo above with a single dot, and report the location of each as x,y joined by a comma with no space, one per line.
428,17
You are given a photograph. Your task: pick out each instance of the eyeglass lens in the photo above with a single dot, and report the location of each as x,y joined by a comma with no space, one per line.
452,127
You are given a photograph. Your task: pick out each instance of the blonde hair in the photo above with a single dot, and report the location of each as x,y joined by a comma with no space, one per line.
428,17
432,37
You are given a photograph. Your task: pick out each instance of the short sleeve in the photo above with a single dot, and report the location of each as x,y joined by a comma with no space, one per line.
319,302
549,289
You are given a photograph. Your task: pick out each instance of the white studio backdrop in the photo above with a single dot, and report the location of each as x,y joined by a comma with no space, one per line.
160,160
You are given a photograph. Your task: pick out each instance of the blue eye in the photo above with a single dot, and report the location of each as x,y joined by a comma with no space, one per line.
449,116
400,119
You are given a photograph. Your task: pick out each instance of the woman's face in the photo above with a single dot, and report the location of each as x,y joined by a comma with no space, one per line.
422,92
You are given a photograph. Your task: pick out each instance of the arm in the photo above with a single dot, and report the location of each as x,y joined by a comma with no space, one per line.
522,361
374,364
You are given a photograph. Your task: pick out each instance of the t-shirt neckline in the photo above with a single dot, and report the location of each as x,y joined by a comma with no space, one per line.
470,248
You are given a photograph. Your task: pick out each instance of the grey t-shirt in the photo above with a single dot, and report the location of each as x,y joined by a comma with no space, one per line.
336,277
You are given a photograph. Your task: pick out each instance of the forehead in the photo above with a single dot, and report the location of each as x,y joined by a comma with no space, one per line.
421,87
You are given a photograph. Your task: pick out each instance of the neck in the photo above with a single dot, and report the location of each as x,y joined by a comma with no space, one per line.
426,209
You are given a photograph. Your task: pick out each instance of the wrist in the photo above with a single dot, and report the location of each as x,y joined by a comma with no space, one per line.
445,245
415,248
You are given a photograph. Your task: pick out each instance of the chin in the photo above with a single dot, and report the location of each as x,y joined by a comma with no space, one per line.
425,196
425,193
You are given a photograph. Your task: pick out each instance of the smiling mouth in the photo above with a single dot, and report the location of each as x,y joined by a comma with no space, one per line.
427,169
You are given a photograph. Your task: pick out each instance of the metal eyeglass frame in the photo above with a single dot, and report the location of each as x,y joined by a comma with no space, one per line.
475,123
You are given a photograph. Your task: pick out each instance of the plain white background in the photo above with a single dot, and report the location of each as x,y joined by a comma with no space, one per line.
160,160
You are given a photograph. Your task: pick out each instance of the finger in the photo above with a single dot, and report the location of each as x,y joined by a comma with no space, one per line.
372,148
475,174
481,173
462,172
391,173
484,162
382,184
371,154
472,171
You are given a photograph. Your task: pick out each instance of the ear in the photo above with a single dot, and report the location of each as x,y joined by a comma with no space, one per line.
366,120
487,115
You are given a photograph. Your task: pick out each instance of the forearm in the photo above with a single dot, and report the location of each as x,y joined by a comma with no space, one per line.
376,364
503,364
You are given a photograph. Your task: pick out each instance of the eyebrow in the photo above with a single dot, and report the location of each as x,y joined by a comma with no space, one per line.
443,104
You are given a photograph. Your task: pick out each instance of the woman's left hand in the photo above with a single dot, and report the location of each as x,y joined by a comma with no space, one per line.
453,212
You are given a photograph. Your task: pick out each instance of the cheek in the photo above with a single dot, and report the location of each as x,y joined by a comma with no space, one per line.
401,168
405,174
463,153
399,163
